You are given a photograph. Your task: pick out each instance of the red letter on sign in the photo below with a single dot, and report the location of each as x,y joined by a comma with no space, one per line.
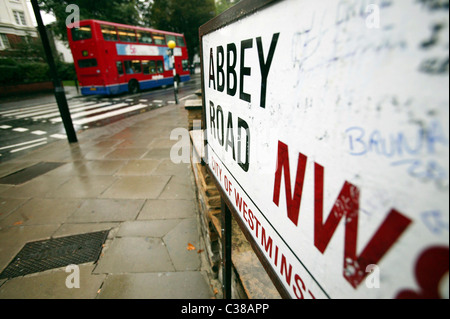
293,203
430,268
347,205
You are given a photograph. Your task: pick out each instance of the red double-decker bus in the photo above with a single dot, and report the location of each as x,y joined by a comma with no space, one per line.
112,58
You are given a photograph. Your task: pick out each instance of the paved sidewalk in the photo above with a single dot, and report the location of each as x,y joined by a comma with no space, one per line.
118,177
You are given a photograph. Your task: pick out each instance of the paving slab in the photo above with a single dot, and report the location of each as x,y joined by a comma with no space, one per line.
8,205
52,285
167,209
179,187
135,255
37,187
41,211
163,285
106,210
147,228
139,167
82,187
137,187
182,242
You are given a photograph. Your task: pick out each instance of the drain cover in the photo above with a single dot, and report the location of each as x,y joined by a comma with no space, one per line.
54,253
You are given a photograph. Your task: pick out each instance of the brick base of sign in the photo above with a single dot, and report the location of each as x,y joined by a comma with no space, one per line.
250,281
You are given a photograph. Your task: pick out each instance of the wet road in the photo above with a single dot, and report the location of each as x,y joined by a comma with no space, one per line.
30,124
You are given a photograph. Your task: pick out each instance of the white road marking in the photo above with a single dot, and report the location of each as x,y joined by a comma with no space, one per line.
59,136
20,129
186,97
110,114
33,108
24,143
38,132
81,114
4,127
72,111
27,147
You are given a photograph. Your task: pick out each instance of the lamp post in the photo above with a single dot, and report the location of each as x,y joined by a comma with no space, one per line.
171,44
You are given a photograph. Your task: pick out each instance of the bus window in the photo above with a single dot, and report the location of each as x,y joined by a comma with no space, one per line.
170,38
87,63
180,42
109,33
159,39
119,66
144,37
126,35
81,33
149,67
152,67
159,67
185,64
145,66
133,67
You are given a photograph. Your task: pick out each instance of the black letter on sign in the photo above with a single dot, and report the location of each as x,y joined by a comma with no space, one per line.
231,90
219,136
243,124
265,66
211,70
230,142
245,44
212,116
220,73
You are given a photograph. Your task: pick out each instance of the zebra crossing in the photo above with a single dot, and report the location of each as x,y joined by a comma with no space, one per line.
33,126
82,113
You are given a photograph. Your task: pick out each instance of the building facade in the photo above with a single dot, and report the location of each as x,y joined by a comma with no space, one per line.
15,24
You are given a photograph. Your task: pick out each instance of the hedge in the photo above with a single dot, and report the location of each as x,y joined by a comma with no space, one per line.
13,72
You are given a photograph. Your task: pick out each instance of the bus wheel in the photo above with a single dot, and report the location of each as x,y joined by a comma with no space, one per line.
133,87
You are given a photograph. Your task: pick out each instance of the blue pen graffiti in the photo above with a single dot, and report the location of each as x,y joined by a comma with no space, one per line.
406,150
434,221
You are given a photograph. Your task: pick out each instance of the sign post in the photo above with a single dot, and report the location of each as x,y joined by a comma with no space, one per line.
327,128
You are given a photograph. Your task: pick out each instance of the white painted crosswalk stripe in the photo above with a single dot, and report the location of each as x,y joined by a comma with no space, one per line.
20,129
59,136
32,108
27,147
45,112
82,113
97,110
72,111
24,143
38,132
109,114
25,115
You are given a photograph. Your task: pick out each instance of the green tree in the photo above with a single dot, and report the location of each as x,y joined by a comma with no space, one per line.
222,5
119,11
181,16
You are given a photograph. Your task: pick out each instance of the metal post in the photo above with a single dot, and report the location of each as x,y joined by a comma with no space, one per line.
175,84
59,90
226,250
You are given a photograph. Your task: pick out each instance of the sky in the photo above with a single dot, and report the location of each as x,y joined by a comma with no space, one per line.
46,17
